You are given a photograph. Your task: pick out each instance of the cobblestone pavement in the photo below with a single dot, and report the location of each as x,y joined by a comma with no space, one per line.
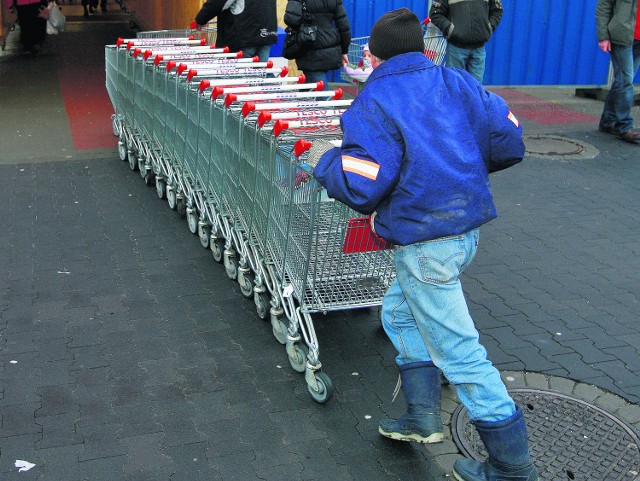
126,352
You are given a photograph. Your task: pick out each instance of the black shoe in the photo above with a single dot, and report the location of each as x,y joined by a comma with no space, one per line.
632,136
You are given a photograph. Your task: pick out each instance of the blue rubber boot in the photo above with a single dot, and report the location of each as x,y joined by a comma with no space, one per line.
422,390
508,448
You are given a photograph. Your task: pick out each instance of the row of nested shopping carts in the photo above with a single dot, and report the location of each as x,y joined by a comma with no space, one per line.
225,139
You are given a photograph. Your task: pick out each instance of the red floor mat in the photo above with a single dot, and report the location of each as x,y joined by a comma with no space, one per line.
540,111
81,74
88,106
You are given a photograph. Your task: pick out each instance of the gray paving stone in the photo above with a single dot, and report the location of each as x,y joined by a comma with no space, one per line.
58,430
144,453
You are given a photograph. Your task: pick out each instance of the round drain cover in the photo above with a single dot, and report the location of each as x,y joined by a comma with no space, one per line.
548,145
558,148
569,439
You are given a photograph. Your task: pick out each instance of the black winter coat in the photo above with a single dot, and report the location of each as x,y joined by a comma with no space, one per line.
247,23
333,36
466,23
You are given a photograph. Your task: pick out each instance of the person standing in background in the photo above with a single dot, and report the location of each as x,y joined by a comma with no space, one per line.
33,24
247,25
618,30
467,25
333,37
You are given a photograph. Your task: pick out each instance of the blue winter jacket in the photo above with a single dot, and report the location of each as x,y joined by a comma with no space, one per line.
419,142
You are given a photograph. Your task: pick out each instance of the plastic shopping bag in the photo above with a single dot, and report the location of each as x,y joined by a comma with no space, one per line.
57,21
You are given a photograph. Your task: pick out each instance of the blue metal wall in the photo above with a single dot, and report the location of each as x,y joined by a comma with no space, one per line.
538,42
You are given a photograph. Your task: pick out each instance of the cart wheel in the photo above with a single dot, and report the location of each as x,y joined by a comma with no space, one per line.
279,328
161,187
133,160
192,220
149,177
172,199
231,266
245,279
217,249
298,356
325,388
263,304
142,167
122,150
204,233
181,205
115,125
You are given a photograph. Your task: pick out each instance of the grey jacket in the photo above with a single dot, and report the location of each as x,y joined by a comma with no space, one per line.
616,20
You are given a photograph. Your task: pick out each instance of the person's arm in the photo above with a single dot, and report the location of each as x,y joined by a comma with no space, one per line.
495,13
604,12
293,14
439,15
209,10
344,28
506,145
366,168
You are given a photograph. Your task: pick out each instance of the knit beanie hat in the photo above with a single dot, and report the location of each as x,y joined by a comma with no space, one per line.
396,32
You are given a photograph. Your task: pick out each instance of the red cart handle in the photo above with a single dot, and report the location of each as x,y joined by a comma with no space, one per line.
279,127
204,84
247,108
301,146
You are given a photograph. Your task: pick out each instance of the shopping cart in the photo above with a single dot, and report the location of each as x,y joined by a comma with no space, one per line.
435,47
221,136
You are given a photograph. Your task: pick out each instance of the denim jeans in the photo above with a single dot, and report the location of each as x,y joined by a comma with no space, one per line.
425,315
313,76
263,52
616,114
471,60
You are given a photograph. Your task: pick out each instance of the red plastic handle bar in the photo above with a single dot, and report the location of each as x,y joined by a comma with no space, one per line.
147,54
120,41
137,52
191,37
193,25
158,59
263,118
426,21
247,108
279,127
129,45
269,63
192,73
181,68
284,71
301,78
319,86
203,42
255,58
338,95
204,84
217,92
301,146
170,65
229,99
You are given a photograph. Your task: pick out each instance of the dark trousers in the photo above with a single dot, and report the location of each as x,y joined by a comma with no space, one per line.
32,27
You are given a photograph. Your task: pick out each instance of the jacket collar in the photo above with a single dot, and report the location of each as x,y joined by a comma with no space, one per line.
401,63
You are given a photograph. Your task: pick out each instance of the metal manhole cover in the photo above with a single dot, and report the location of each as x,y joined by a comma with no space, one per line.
570,439
556,147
